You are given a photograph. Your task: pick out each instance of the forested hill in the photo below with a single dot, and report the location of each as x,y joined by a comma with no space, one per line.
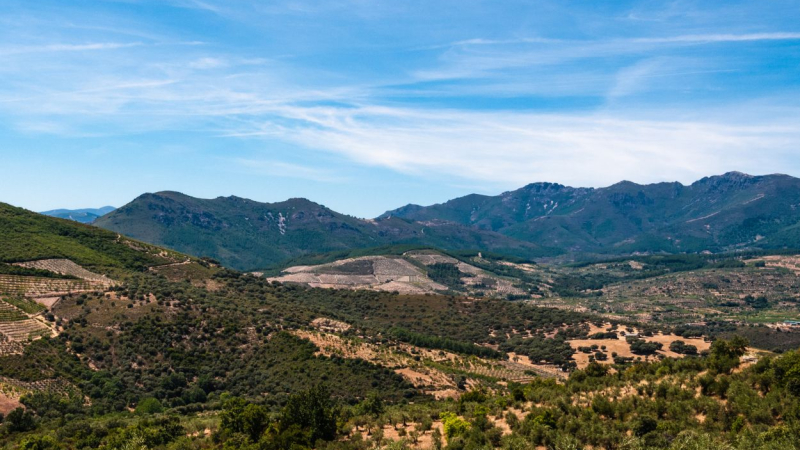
26,236
717,213
245,234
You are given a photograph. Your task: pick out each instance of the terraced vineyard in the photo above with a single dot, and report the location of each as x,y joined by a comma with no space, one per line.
17,388
24,330
10,313
41,286
17,328
67,267
9,347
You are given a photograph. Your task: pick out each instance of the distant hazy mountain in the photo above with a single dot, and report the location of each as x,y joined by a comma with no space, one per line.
87,215
714,214
245,234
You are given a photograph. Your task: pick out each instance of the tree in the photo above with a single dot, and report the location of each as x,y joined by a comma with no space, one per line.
19,420
724,355
372,405
311,410
683,348
644,425
39,443
246,418
149,405
453,425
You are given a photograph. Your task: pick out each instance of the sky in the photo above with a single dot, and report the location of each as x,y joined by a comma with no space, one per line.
367,105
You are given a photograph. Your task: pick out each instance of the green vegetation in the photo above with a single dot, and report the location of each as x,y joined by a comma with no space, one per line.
25,236
443,343
671,404
193,356
26,305
10,269
446,274
626,218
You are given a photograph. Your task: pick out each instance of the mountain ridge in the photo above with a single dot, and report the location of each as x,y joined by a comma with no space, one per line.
246,234
721,213
656,216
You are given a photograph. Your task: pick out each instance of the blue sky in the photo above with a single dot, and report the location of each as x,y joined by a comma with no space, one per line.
368,105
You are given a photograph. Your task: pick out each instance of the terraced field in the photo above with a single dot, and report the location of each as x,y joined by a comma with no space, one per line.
41,286
67,267
9,347
407,273
17,388
24,330
18,328
10,313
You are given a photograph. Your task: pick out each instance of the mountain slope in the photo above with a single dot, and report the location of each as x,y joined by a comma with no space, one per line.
86,215
245,234
26,236
716,213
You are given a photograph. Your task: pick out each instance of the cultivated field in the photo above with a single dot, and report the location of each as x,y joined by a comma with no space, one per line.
67,267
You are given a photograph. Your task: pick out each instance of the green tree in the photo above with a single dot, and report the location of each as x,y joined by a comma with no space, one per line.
149,405
724,355
312,410
19,420
453,425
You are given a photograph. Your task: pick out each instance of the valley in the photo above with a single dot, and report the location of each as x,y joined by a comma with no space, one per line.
405,345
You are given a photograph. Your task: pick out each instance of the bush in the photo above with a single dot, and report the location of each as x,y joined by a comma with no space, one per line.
453,425
149,405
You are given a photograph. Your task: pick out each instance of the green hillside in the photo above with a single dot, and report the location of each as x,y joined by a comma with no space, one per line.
720,213
26,236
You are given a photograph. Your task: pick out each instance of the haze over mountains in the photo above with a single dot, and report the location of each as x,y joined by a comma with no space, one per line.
720,213
85,215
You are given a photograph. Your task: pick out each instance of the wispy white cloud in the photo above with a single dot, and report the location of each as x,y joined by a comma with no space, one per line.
515,148
687,39
58,47
208,63
288,170
716,38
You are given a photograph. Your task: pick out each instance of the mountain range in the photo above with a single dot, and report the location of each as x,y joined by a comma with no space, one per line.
245,234
715,214
86,215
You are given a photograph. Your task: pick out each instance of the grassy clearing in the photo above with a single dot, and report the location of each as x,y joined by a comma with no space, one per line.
28,306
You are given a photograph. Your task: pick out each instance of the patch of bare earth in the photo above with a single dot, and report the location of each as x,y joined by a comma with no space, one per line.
8,404
621,347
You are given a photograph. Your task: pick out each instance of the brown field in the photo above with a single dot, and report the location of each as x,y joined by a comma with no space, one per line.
620,346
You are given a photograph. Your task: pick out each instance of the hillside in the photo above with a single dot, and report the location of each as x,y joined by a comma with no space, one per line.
719,213
718,293
86,215
416,271
26,236
246,235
